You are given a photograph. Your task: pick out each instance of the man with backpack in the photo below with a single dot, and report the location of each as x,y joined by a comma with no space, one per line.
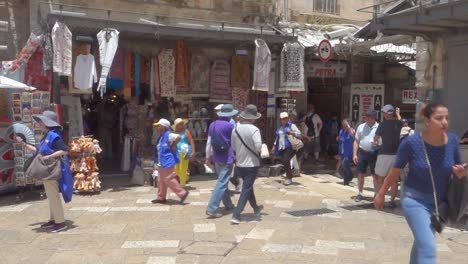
314,125
223,158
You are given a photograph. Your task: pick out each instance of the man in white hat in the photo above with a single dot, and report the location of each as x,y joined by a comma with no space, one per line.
389,131
165,160
246,141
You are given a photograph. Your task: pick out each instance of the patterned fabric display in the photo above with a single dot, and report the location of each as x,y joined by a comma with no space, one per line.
240,97
128,75
182,68
219,82
292,68
24,55
200,74
157,79
167,73
35,75
240,72
262,66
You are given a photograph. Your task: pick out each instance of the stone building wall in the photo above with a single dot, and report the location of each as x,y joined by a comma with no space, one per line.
15,33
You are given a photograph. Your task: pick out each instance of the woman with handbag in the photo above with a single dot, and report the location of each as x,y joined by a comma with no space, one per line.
53,147
286,144
185,150
433,156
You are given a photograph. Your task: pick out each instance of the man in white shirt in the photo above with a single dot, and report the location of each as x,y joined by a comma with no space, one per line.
246,141
365,151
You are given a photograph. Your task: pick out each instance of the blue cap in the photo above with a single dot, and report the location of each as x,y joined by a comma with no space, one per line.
389,109
371,112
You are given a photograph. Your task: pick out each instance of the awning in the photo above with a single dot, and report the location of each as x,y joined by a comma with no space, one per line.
425,20
7,83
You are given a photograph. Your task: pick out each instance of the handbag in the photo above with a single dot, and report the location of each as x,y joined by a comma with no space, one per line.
265,153
44,170
245,145
296,143
437,222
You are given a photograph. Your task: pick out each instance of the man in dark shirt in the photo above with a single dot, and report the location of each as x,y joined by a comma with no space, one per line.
389,131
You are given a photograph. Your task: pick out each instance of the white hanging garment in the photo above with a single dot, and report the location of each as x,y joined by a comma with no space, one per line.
85,74
108,43
62,46
261,78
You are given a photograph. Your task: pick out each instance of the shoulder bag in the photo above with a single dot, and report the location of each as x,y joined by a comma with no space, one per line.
437,222
245,145
296,143
44,170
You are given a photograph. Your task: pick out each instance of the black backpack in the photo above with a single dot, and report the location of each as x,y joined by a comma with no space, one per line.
310,124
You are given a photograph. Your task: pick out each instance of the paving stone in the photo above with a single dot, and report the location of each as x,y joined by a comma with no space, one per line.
14,208
319,250
259,233
282,248
209,248
341,244
151,244
103,201
143,189
284,204
199,203
204,228
144,201
161,260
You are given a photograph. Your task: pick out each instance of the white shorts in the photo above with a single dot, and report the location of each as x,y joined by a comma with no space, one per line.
384,164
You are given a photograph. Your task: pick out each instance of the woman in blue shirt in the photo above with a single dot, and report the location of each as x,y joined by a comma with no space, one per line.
418,201
345,147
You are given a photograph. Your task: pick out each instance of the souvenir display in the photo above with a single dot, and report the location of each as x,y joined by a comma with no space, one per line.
83,164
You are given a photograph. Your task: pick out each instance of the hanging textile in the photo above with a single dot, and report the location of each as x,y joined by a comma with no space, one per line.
157,79
220,90
200,74
127,92
240,71
84,73
108,42
261,66
116,74
167,72
240,97
151,74
48,58
23,57
271,105
143,72
62,45
137,74
292,68
35,75
182,68
132,75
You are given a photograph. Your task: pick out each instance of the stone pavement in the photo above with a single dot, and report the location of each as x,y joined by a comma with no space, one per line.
312,221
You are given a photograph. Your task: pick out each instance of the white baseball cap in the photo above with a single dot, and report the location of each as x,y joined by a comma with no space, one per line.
163,122
284,115
218,107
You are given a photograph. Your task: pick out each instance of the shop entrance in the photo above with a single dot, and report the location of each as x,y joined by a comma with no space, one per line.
325,94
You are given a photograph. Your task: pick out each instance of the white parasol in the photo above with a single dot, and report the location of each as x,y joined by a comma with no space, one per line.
7,83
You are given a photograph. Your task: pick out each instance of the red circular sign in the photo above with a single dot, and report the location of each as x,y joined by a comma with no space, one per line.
325,50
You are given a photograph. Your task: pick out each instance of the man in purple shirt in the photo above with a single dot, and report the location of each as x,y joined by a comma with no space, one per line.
223,158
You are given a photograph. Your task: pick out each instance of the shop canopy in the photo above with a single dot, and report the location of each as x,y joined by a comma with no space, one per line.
425,19
7,83
88,20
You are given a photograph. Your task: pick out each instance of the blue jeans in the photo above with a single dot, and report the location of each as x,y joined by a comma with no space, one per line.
418,215
221,191
248,175
346,169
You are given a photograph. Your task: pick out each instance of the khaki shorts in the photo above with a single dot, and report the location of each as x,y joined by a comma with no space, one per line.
384,164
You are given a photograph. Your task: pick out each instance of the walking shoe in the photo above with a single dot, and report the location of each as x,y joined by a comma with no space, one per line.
358,198
59,228
229,208
48,225
160,201
392,205
183,198
296,173
235,220
239,187
258,211
213,214
287,182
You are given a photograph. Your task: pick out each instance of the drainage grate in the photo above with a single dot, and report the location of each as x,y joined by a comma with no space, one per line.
311,212
357,207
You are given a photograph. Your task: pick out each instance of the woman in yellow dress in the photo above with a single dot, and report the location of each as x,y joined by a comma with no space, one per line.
185,150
